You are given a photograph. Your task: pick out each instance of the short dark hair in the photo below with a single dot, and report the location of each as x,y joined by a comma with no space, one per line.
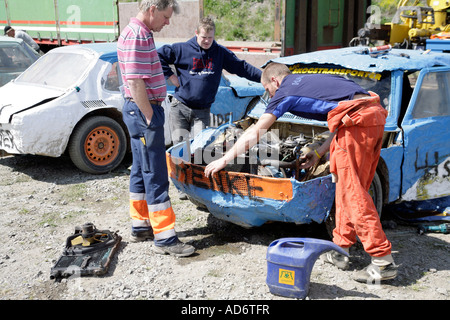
6,30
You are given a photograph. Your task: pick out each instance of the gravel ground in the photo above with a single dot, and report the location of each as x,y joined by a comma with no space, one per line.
44,199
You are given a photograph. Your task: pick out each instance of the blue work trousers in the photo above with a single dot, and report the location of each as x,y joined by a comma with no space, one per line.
149,175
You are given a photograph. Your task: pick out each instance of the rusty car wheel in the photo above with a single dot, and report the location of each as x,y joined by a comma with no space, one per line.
98,145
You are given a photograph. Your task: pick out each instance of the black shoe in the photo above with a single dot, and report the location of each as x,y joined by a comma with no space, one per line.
178,249
339,260
141,235
373,273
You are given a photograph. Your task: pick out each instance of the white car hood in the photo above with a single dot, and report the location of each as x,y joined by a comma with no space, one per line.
16,97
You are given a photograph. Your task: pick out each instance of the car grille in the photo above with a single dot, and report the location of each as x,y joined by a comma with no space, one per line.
90,104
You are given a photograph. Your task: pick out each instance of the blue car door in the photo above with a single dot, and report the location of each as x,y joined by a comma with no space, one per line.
426,126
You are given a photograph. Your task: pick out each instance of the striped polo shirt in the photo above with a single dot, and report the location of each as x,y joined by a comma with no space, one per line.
138,59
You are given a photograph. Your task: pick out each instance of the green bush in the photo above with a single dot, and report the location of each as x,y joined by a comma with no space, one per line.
251,20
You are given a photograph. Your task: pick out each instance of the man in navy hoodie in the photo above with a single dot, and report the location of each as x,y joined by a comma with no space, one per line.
198,63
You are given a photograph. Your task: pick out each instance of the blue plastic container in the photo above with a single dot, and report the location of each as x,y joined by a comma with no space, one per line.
289,264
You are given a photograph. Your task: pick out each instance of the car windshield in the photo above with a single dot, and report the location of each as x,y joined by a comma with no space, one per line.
380,85
13,58
59,70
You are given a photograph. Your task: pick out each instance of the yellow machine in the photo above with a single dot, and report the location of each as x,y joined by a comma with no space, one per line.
415,23
412,24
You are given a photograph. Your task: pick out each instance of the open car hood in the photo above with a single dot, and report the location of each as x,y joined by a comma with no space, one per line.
13,99
244,87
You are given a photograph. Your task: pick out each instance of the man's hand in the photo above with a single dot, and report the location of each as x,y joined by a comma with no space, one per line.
308,160
312,157
215,166
174,80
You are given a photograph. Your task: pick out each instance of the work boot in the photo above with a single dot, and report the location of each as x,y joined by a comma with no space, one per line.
373,273
339,260
178,249
141,234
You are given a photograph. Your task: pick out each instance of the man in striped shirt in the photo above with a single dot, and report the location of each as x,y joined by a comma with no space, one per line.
145,88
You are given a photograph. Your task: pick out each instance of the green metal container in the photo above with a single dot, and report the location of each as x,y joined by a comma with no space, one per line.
311,25
63,22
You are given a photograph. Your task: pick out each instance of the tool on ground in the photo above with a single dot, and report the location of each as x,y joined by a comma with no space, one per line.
442,228
87,252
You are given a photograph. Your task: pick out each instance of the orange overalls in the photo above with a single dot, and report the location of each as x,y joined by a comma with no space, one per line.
354,155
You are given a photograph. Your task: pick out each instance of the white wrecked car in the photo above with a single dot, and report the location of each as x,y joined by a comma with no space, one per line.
56,104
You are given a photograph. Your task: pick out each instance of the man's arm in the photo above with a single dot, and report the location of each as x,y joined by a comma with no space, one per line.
166,57
245,142
139,94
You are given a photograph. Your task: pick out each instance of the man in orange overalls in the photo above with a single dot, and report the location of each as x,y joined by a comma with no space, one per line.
356,120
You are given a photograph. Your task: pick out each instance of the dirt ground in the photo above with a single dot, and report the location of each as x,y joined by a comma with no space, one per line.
44,199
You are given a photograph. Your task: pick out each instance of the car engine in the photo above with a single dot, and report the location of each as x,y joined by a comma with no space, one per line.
272,156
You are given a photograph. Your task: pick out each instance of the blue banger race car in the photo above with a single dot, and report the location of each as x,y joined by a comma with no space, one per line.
264,184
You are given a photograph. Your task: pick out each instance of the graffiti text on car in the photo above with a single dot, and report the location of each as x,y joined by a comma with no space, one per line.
219,119
339,71
6,140
223,181
434,166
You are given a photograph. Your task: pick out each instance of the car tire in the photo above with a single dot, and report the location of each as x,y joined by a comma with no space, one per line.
375,190
98,145
198,204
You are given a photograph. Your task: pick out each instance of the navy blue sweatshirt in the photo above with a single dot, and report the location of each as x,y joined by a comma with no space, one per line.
199,71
